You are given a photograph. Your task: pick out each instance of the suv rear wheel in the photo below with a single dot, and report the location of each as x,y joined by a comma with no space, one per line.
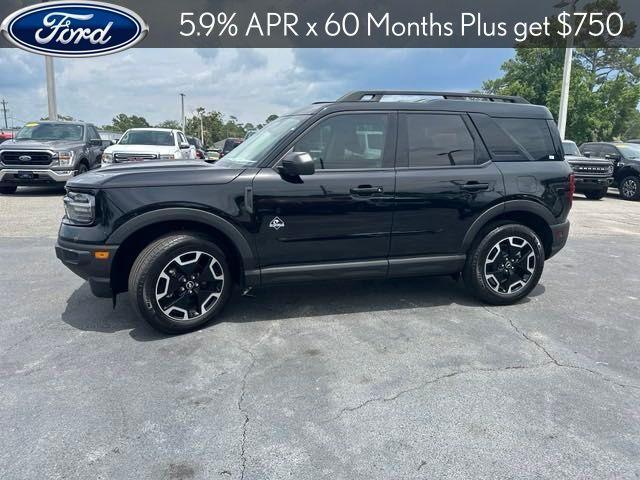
505,264
630,188
180,282
8,190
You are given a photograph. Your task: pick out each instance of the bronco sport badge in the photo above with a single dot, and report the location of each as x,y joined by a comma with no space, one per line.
74,29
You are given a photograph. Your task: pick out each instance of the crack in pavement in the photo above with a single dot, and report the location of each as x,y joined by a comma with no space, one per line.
556,362
432,381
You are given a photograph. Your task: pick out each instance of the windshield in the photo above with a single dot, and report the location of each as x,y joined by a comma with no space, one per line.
147,137
51,131
250,152
570,148
630,151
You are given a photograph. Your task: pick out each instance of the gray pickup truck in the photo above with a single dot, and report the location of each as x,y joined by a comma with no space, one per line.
49,153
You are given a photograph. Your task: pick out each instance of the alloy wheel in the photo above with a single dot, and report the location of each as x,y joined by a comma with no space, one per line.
629,188
509,265
189,285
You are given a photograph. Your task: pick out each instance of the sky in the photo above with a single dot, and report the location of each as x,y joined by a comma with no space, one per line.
249,84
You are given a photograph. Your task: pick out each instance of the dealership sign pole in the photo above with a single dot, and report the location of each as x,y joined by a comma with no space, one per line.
51,88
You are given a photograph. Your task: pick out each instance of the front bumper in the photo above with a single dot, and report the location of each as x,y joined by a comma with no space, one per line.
34,176
592,183
81,260
560,234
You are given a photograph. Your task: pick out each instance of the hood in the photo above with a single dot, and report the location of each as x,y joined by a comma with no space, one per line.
155,174
587,160
161,149
41,144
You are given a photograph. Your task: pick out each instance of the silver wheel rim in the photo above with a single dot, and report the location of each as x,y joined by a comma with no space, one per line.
629,187
510,265
189,286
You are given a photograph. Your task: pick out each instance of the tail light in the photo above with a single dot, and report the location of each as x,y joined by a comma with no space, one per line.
572,188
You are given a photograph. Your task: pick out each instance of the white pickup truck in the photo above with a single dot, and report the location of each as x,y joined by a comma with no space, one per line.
140,144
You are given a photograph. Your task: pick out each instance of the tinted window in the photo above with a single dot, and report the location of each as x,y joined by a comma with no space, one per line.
593,149
608,150
499,143
531,135
147,137
346,141
438,140
93,133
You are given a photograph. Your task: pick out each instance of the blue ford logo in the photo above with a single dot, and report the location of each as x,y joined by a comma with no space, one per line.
74,29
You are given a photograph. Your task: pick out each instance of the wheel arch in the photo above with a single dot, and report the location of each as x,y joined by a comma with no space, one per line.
134,235
525,212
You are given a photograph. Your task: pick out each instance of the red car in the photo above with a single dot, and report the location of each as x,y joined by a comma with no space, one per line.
5,136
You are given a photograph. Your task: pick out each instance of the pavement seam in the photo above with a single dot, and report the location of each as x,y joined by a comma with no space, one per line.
556,362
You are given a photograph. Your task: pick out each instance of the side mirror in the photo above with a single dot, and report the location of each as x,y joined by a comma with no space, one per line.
96,142
295,164
185,145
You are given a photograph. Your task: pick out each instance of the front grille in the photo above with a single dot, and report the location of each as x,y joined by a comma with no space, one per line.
132,157
25,158
599,170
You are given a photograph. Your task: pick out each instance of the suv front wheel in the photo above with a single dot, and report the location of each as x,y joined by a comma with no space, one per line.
630,188
180,282
505,264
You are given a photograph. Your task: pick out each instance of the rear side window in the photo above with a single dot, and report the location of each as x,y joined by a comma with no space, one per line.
516,139
435,140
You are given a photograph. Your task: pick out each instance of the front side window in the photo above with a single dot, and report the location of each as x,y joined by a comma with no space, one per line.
51,131
147,137
436,140
349,141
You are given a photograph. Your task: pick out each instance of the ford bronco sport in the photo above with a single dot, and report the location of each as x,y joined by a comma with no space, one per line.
375,184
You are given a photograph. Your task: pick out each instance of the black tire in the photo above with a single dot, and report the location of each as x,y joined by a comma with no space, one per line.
82,168
145,283
486,287
8,190
596,194
629,188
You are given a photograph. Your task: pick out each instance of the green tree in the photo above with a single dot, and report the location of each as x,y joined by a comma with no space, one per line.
271,118
122,122
605,88
174,124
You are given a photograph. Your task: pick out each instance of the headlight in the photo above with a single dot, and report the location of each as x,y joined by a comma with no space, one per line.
610,170
169,156
65,159
80,208
107,158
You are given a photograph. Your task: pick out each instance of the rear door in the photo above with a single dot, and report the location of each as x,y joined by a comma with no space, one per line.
444,181
343,212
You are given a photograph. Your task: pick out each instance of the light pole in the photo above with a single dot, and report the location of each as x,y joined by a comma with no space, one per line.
184,130
566,73
51,88
201,129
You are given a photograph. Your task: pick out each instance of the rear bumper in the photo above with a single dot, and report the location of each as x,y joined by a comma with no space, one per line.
560,234
34,176
81,260
592,183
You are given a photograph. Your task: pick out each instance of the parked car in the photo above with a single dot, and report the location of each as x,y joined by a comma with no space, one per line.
198,146
5,136
213,154
626,164
593,175
465,184
48,153
142,144
635,140
227,145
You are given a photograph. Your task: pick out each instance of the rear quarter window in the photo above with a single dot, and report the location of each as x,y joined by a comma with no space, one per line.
516,139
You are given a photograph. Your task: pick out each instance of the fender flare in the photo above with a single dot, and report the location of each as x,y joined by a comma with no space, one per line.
527,206
193,215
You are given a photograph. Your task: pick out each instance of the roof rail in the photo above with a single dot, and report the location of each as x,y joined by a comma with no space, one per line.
376,96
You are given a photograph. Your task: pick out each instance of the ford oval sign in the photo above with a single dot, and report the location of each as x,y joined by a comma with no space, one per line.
74,29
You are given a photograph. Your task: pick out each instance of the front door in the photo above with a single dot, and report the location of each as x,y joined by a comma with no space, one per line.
343,212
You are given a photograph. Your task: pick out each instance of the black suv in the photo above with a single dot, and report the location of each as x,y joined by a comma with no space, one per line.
626,163
49,153
372,185
593,175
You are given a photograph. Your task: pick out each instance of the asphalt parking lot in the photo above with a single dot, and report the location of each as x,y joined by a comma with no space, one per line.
399,379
